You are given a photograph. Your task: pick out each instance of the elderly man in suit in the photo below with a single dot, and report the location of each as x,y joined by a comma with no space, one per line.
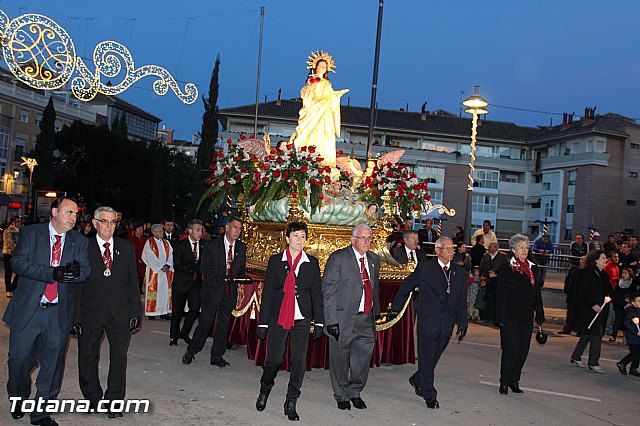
187,282
51,260
351,301
223,260
443,303
410,251
109,302
428,236
291,298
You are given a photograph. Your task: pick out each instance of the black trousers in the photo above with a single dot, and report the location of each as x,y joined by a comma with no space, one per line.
515,339
618,322
595,342
217,308
632,357
276,345
568,322
40,341
9,284
89,343
178,302
430,348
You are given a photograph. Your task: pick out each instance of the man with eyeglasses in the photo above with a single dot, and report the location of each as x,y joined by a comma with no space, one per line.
443,302
351,302
51,260
109,303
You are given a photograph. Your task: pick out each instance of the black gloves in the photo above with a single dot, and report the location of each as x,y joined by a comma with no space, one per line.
133,323
317,332
76,330
63,274
334,330
261,332
392,314
461,333
74,268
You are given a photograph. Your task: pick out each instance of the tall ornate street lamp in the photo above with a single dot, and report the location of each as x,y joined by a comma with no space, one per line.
31,164
475,105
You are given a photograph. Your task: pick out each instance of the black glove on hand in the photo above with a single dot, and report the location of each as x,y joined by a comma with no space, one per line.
334,330
74,268
392,314
133,323
317,332
62,274
461,333
76,330
261,332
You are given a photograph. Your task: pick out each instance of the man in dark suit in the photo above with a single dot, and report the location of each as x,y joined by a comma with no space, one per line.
410,251
170,235
291,298
50,259
108,302
224,260
187,282
492,260
351,302
442,303
428,236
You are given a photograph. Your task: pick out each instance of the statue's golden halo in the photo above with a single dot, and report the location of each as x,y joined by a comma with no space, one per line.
321,55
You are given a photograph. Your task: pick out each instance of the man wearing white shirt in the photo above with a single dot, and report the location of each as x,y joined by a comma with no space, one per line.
158,256
410,251
351,303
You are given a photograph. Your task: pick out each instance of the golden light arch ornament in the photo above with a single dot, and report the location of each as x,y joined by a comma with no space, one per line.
41,54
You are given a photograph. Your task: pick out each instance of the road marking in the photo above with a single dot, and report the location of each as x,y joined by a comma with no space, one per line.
160,332
479,344
566,395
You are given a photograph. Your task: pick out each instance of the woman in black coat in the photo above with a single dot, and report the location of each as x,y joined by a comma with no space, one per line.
591,293
518,297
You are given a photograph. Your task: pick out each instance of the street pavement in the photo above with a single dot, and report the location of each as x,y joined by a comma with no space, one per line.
556,393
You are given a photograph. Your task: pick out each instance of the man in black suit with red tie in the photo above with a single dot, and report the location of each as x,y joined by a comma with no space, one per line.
108,302
443,302
51,260
224,260
187,282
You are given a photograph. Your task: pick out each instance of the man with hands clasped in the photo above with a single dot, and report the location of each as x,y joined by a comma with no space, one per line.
443,302
291,298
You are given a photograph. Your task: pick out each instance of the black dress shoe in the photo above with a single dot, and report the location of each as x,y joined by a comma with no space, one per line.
344,405
515,387
114,414
358,403
186,339
416,388
93,407
46,421
261,402
17,413
220,362
432,403
187,357
504,390
621,368
290,410
166,317
173,342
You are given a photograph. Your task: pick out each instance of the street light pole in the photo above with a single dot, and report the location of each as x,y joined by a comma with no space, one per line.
475,105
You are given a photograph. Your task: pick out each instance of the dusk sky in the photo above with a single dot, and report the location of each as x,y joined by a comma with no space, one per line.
548,56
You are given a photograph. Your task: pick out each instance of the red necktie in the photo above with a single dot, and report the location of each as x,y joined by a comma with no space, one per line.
195,258
413,259
106,257
367,287
51,292
229,266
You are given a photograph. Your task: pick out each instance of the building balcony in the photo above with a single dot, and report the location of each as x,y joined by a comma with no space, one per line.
573,160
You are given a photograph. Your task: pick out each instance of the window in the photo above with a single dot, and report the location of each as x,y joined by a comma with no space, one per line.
573,174
486,179
569,208
635,146
5,135
536,205
484,203
24,115
601,146
633,175
538,179
21,142
548,208
631,203
430,174
38,119
546,186
568,234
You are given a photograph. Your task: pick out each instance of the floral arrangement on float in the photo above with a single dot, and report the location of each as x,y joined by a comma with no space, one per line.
267,179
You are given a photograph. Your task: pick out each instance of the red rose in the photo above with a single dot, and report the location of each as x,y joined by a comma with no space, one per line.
312,149
243,137
229,141
276,174
374,192
292,183
304,169
279,160
427,197
392,194
226,187
412,175
289,146
303,149
319,159
389,173
327,179
312,181
411,196
226,170
416,208
252,136
321,196
265,179
244,170
401,192
266,167
294,194
285,175
256,188
340,152
254,158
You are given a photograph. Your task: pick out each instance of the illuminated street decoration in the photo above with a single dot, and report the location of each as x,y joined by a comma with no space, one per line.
41,54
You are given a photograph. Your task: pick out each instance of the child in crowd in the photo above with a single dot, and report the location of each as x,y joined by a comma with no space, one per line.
624,287
473,285
632,329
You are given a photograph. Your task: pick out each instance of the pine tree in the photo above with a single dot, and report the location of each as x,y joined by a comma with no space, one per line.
43,153
210,118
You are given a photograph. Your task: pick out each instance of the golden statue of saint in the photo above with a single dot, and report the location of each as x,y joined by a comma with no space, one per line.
319,120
